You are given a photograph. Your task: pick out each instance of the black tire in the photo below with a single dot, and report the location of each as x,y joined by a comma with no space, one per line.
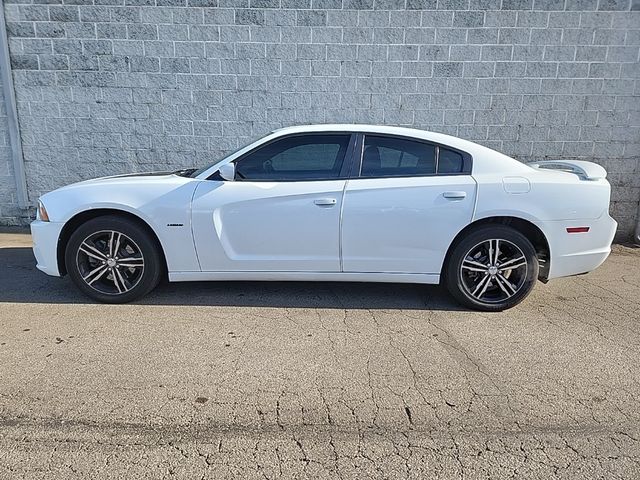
138,264
502,288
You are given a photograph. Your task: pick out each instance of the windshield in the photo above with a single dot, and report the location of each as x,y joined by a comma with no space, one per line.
199,171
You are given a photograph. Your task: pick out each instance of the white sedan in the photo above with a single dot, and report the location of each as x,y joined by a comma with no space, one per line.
335,203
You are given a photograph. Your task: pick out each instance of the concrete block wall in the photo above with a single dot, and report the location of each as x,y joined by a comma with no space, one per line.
112,86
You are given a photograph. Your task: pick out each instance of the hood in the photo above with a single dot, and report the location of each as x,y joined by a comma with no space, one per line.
126,178
126,175
143,174
131,193
133,180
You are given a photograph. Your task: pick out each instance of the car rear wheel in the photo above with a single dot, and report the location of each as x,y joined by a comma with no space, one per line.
113,259
493,268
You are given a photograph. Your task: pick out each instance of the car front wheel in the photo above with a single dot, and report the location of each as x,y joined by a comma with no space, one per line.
113,259
493,268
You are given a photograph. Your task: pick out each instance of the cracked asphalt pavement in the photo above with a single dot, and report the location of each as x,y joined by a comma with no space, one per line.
318,380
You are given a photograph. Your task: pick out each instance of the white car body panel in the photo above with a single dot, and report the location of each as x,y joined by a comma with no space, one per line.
267,226
378,229
45,237
161,201
405,225
281,276
556,201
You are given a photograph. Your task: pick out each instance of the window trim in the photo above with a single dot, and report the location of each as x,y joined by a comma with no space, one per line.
466,157
345,169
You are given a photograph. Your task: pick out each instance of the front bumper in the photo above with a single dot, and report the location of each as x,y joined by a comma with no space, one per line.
576,253
45,237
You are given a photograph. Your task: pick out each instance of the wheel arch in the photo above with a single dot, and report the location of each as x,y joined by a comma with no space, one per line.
525,227
78,219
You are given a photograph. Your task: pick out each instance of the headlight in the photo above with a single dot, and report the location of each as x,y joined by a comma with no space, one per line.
42,212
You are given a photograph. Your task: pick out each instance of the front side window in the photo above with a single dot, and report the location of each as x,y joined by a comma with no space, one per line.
298,157
396,157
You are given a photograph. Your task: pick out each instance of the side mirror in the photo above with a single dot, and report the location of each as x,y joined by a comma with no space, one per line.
228,172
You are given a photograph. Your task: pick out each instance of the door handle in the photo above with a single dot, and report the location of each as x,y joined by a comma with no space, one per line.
325,202
454,195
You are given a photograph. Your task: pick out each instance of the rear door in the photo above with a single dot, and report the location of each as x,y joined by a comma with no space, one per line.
405,205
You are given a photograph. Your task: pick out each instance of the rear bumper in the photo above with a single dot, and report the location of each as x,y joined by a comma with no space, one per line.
576,253
45,237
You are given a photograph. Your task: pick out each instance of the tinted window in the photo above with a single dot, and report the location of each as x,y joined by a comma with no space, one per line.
393,157
450,162
300,157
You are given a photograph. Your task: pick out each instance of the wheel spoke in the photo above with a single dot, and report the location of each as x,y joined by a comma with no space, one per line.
474,269
507,283
98,276
92,251
490,252
131,262
484,281
499,281
497,254
474,263
110,244
117,247
100,270
114,279
513,267
121,278
484,289
512,261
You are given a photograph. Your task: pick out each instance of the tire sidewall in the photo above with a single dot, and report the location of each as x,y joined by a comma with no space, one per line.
152,261
453,279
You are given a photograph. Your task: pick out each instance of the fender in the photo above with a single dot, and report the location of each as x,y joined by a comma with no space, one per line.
162,202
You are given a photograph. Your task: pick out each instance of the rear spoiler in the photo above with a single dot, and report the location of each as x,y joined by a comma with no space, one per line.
584,170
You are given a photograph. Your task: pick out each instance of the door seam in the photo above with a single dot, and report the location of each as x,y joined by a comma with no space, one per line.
354,154
344,195
193,236
474,212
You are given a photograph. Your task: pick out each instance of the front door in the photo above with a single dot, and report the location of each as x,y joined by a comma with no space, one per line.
282,212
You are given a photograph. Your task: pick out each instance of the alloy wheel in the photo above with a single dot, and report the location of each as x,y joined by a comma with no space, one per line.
110,262
493,270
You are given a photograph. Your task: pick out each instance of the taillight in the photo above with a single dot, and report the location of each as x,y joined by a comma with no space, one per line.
577,229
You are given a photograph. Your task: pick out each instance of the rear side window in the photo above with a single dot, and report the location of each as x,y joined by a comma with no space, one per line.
396,157
450,162
299,157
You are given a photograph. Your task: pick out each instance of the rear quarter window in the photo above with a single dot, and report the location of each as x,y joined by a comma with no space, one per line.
450,162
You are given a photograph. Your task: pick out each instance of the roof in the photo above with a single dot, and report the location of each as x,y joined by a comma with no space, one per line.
356,127
455,142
